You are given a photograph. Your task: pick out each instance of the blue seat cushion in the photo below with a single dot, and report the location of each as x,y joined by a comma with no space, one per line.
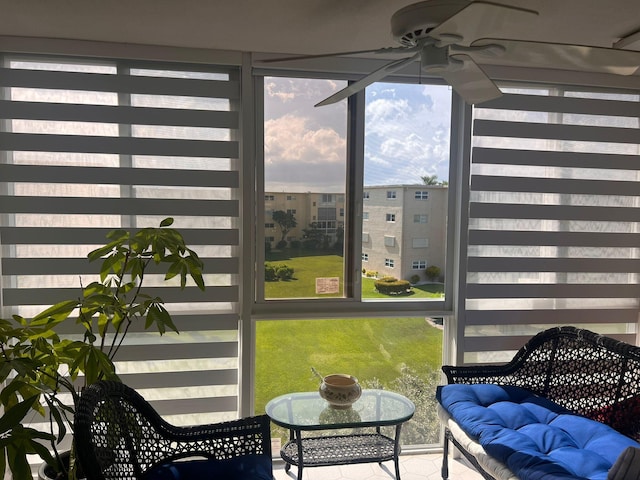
249,467
536,438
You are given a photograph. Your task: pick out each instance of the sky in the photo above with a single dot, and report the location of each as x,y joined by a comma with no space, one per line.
406,134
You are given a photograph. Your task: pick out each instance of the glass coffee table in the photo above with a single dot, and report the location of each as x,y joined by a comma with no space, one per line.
308,412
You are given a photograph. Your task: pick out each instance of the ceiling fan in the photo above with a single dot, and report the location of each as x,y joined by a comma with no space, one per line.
452,38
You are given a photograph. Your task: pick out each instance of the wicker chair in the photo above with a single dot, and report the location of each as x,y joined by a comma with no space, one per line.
118,435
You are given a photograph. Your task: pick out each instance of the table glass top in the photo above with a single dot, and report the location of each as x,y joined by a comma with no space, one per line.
309,411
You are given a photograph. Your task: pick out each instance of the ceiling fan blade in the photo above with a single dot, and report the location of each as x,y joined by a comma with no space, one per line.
559,56
339,54
368,80
481,19
470,81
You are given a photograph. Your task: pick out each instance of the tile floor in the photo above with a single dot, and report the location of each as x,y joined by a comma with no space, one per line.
412,467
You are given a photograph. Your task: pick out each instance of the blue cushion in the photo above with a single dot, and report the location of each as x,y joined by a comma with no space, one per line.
536,438
249,467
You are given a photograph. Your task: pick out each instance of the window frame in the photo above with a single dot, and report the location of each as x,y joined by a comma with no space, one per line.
353,304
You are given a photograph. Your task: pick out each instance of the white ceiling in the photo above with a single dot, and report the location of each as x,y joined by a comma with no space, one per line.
288,26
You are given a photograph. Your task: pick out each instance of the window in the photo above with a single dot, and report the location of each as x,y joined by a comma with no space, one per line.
420,243
389,241
391,194
421,195
420,218
167,148
419,264
391,217
525,206
269,198
291,197
269,225
306,159
288,105
269,239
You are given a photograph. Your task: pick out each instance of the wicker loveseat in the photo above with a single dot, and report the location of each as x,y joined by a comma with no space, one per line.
566,406
118,435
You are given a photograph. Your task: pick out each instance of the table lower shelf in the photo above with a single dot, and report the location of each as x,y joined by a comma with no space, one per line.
340,450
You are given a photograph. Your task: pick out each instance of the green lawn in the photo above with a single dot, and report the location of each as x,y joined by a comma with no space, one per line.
308,267
369,348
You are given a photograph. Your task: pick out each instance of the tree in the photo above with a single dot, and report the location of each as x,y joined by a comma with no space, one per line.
285,220
432,180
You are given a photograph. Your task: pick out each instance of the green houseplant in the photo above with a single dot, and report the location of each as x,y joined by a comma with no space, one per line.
37,365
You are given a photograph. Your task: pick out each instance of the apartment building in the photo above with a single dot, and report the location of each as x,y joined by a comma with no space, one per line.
324,210
403,226
404,229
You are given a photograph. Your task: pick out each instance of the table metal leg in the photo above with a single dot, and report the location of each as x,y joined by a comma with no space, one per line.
298,435
396,451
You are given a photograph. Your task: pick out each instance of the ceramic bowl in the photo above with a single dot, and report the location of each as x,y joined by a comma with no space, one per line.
340,390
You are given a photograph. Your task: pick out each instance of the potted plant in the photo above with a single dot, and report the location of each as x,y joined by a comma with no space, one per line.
32,353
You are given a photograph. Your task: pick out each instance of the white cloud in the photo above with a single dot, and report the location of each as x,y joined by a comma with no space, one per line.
304,158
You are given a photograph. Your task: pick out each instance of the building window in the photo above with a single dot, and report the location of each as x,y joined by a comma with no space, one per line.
420,218
269,239
269,198
365,215
421,195
389,262
365,257
269,225
389,241
419,265
391,194
291,197
342,212
292,211
327,198
365,238
420,243
391,217
365,195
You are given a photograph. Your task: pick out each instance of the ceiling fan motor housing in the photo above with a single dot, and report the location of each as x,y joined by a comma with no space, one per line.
414,22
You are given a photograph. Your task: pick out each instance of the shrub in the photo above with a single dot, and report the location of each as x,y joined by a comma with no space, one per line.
267,247
281,244
414,279
295,244
284,272
270,273
432,272
364,271
371,273
392,286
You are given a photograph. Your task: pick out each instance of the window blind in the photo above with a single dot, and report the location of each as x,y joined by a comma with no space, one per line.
554,218
88,146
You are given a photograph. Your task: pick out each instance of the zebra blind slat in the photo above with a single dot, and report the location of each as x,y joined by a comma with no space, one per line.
551,317
99,82
554,218
61,112
34,142
124,206
553,185
542,264
88,236
74,266
118,176
503,156
559,239
556,132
